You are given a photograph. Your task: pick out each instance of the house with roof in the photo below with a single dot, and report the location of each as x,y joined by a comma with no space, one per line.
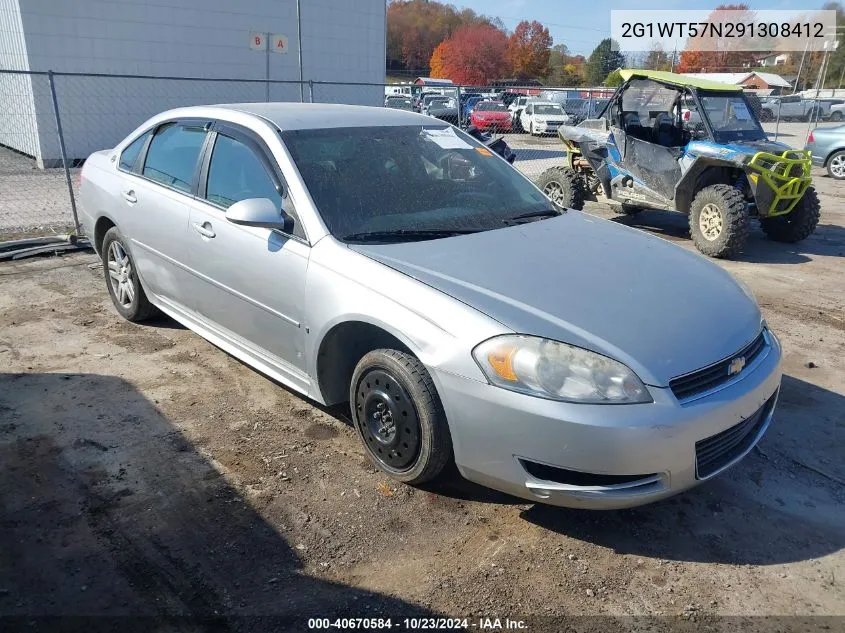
759,82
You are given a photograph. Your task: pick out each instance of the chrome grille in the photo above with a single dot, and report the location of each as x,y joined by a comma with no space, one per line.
711,377
720,450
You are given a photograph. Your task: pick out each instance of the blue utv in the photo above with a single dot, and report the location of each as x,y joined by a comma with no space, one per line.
674,143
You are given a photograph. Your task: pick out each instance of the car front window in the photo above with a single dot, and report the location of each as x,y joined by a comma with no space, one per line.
402,179
731,119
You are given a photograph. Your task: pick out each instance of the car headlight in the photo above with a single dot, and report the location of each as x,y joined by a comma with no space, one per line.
554,370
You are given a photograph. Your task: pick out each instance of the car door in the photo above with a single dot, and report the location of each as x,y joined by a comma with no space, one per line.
156,187
525,117
250,280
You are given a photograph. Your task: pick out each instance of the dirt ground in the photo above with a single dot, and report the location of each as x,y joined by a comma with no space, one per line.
147,473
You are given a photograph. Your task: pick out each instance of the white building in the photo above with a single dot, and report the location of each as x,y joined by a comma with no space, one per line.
342,41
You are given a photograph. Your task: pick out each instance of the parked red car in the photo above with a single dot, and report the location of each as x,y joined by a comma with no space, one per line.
491,115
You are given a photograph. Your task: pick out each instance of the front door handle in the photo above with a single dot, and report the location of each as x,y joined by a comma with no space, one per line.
129,196
204,229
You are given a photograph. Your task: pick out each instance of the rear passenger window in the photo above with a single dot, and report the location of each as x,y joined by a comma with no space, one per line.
235,173
172,157
129,156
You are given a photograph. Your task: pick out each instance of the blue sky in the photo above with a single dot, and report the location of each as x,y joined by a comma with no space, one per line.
581,24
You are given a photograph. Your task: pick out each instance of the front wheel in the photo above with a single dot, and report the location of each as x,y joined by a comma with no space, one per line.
718,221
399,416
564,186
796,225
836,116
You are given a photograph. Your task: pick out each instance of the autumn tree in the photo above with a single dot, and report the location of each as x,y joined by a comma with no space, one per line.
474,55
603,61
709,54
563,69
528,50
436,64
416,27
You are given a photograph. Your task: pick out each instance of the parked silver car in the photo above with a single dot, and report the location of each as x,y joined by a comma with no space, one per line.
827,149
386,259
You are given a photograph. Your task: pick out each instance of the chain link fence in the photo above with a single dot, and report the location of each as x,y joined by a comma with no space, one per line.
50,122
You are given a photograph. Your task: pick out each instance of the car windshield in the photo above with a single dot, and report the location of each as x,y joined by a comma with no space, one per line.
730,118
395,183
548,109
490,106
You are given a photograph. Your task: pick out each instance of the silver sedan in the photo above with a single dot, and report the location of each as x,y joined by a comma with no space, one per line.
388,260
827,147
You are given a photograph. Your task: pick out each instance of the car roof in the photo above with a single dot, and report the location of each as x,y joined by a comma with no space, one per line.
551,103
310,116
678,80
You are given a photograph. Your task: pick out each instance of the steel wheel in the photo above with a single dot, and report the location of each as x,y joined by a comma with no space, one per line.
387,420
710,221
121,274
836,166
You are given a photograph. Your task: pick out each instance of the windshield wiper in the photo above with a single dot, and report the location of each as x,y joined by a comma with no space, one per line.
522,217
405,235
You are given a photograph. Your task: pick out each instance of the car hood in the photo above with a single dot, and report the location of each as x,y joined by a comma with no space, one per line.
660,309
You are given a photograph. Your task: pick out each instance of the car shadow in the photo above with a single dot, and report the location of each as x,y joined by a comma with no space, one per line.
782,503
108,511
827,240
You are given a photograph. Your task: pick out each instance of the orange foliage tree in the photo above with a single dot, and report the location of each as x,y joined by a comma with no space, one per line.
693,59
438,68
474,55
529,47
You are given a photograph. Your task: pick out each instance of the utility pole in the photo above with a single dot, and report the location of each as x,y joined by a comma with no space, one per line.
800,67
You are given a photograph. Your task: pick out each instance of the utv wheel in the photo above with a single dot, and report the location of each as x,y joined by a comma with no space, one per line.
836,165
796,225
718,221
564,187
121,275
399,416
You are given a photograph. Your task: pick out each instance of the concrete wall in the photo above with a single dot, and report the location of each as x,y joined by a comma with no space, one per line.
343,40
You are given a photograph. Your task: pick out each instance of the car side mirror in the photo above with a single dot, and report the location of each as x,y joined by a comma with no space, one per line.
260,212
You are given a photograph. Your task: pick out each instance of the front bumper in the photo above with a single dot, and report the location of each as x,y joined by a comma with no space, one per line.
499,436
547,128
504,124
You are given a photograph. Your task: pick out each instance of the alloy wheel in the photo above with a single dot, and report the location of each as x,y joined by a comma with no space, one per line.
555,193
121,274
710,221
837,166
388,420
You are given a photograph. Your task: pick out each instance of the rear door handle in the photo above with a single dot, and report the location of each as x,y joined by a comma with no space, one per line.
204,229
129,196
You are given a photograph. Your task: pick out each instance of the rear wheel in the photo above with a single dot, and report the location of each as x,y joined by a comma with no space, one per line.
836,165
718,221
564,186
121,275
796,225
399,416
766,115
836,116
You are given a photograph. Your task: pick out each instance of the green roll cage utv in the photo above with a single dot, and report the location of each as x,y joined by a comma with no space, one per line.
674,143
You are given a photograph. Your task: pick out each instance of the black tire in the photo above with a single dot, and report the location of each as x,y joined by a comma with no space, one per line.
796,225
137,308
836,115
766,115
834,165
415,445
732,219
564,186
627,209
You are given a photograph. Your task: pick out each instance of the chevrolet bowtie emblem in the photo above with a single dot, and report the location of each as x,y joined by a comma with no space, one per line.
736,365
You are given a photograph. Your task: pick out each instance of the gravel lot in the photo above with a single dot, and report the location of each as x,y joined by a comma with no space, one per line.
146,472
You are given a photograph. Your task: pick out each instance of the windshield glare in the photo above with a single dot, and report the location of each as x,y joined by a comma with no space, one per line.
408,178
490,106
548,109
731,119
